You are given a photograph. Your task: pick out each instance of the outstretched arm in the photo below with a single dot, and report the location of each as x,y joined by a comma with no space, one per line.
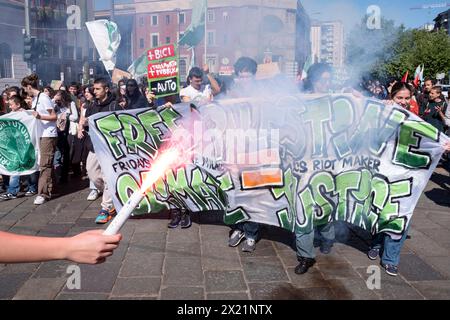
90,247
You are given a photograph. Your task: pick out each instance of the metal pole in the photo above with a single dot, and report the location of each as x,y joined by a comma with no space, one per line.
206,33
113,13
27,18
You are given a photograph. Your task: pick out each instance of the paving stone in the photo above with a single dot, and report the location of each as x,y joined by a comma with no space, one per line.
182,293
333,258
352,289
285,291
393,288
439,235
227,296
219,281
215,233
82,296
335,271
21,268
183,272
434,290
424,246
11,283
441,264
137,286
151,225
40,289
97,278
180,250
415,269
144,238
142,264
312,279
184,235
53,269
262,269
220,258
288,258
55,230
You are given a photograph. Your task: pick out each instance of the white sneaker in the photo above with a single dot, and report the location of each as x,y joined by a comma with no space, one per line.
39,200
93,195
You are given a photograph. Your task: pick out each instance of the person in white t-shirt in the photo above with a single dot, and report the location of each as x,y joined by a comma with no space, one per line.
43,109
197,92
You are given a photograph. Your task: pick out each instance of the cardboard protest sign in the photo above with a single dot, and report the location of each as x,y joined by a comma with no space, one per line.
163,73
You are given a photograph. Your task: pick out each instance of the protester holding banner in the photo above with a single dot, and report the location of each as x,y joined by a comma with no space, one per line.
16,105
83,142
134,97
402,94
44,111
90,247
104,102
318,81
197,92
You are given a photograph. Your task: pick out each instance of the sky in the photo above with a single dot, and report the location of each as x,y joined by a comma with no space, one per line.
351,11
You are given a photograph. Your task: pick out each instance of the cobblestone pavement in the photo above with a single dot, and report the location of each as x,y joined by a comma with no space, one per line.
156,263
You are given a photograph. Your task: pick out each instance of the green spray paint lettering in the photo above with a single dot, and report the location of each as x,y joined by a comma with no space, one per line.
150,119
345,183
317,115
107,126
287,216
343,117
126,185
325,207
201,188
410,136
135,136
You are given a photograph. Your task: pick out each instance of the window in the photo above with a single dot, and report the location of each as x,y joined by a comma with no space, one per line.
167,19
225,39
5,61
211,61
211,38
181,18
141,21
154,20
141,43
180,35
167,40
68,52
79,53
225,16
211,16
155,40
183,69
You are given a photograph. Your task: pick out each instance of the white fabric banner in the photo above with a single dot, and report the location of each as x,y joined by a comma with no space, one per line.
106,37
19,143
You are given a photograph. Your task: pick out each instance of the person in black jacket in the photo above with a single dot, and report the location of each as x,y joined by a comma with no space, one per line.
135,99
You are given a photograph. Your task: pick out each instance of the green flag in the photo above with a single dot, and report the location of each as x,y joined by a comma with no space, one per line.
196,31
139,66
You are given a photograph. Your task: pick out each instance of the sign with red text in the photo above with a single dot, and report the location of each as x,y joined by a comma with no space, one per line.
163,73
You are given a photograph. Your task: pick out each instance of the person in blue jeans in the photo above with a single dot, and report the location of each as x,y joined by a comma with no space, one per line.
247,230
14,186
389,249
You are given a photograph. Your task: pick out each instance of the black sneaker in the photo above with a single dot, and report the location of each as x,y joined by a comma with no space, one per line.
325,247
391,269
176,219
186,221
304,265
7,196
373,253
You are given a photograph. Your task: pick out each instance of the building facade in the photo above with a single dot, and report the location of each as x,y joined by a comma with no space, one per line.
327,43
12,24
442,22
266,30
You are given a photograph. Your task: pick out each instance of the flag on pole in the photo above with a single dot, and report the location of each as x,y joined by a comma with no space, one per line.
106,37
196,31
405,77
139,66
306,66
421,73
417,76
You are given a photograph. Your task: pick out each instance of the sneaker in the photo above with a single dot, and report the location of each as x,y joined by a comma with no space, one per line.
249,245
39,200
7,196
30,193
325,247
391,269
304,265
93,195
104,216
236,238
186,221
373,253
176,219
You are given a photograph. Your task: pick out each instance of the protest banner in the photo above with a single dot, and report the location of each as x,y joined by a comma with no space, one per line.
292,161
19,147
163,74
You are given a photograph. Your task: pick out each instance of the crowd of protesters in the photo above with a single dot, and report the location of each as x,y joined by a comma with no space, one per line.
67,151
